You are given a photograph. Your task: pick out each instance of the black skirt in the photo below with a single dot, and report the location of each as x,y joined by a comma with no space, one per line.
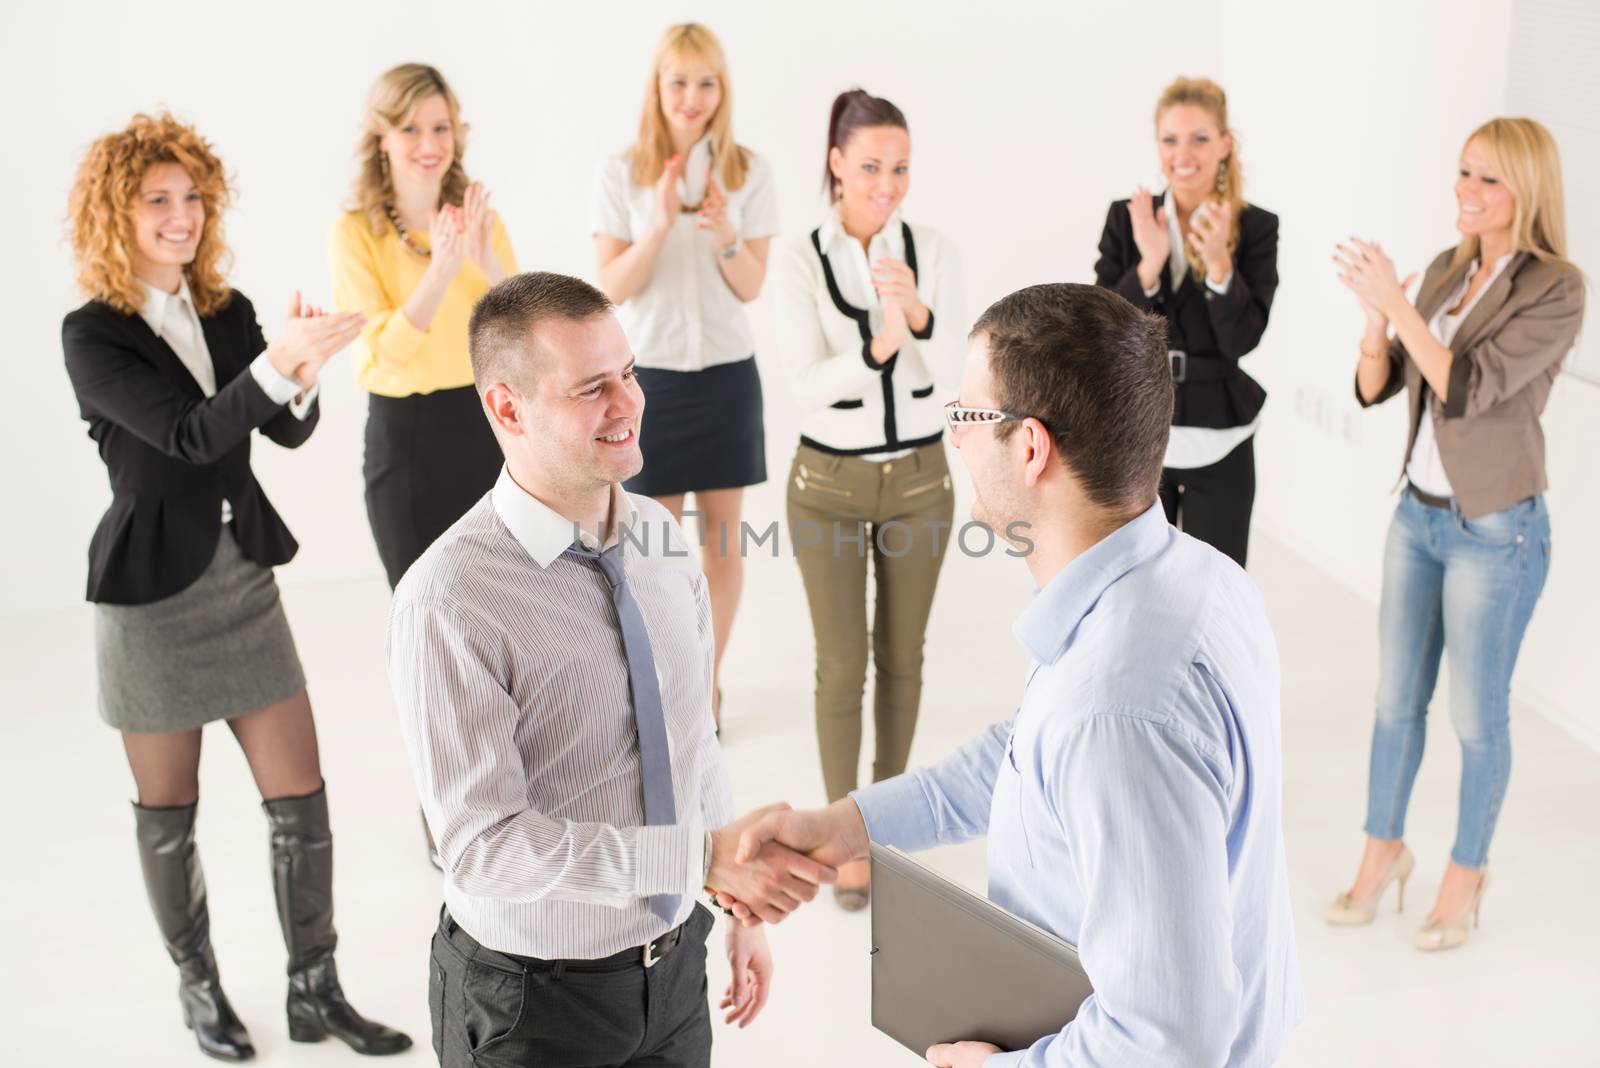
429,458
701,430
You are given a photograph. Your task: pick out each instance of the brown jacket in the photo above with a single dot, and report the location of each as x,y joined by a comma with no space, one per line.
1507,354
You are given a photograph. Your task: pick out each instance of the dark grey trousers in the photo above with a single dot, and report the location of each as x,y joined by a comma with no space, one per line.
491,1010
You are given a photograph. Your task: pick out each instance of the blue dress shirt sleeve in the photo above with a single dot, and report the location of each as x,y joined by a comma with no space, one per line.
939,805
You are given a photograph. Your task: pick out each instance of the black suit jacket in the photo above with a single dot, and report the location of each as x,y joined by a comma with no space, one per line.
1215,329
173,454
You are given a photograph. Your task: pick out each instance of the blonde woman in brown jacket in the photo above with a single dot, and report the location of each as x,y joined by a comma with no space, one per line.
1469,547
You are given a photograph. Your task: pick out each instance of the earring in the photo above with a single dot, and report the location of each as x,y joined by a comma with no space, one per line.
1222,177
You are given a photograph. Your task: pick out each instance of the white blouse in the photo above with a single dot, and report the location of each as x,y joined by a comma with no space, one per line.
1425,468
849,404
686,318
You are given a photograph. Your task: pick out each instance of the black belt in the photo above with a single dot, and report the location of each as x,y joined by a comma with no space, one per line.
638,956
1186,368
1429,499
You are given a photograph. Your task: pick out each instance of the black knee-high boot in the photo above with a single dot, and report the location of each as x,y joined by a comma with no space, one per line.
177,889
302,878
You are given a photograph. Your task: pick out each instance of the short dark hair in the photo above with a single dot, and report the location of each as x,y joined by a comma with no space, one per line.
498,332
852,110
1094,370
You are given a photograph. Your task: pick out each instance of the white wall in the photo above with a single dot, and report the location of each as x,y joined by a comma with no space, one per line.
1350,120
1353,119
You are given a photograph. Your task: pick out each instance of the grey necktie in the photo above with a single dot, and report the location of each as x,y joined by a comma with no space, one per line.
655,763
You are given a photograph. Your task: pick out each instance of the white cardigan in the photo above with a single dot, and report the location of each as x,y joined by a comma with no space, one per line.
827,314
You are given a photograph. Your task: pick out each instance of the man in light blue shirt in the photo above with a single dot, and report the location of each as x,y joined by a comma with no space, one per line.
1133,804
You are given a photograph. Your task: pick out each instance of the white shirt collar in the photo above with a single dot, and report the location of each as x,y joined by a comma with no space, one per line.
543,531
157,303
832,229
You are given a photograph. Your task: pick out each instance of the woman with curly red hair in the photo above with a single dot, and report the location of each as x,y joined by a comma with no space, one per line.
172,374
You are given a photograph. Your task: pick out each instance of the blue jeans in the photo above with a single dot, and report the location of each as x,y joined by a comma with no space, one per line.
1467,587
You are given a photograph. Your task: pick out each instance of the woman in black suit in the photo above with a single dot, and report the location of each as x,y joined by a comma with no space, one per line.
172,374
1207,261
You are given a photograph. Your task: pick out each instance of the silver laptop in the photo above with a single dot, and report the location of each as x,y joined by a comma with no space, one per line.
949,965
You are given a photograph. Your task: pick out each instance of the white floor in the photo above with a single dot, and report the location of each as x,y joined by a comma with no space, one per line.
87,983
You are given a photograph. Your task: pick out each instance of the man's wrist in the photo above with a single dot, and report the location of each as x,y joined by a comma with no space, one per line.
850,825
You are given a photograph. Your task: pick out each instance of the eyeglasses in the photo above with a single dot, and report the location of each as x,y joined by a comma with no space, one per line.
958,417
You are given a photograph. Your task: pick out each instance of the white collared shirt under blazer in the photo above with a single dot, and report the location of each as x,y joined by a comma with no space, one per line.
686,318
850,405
511,681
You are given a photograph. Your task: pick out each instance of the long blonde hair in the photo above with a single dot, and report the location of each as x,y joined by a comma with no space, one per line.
1207,94
392,98
100,212
1525,156
649,155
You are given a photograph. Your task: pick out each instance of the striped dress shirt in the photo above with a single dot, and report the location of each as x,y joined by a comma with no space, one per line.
509,673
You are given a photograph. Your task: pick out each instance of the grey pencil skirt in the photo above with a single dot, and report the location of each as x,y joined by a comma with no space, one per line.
218,649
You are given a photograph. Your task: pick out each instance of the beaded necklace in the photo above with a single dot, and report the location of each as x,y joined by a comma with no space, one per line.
405,235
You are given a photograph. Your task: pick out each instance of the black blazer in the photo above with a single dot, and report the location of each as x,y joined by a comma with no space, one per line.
1216,330
172,453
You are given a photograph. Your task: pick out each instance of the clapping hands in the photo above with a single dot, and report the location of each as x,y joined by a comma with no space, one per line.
1150,235
447,240
459,234
477,232
1368,272
895,284
713,214
668,203
1209,230
311,337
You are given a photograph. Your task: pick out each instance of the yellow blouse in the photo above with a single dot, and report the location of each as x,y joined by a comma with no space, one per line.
375,273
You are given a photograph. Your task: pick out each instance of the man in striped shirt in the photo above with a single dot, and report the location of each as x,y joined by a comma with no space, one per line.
551,660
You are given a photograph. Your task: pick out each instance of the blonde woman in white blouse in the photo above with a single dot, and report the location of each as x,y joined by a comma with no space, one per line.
682,223
869,310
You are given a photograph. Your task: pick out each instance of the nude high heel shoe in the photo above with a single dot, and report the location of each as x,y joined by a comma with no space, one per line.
1436,936
1348,912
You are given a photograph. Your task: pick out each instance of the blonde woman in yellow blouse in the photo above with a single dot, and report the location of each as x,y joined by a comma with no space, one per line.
415,251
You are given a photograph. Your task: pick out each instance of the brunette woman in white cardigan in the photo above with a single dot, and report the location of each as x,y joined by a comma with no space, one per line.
870,317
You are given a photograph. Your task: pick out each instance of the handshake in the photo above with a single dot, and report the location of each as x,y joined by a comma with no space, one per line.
772,861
